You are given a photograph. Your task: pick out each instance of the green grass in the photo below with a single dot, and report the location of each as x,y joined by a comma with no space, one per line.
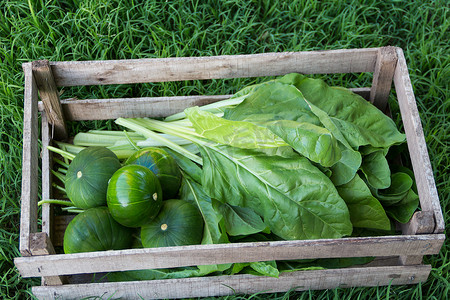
100,29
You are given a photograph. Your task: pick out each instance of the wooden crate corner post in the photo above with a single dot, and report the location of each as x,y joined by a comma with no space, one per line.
382,77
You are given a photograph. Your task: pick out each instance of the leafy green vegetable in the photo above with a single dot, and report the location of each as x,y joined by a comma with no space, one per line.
359,121
240,220
403,210
376,170
365,210
234,133
280,189
399,199
401,183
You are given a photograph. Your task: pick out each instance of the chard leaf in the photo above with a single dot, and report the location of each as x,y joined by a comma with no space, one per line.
375,167
283,109
295,199
345,169
188,167
312,141
404,210
365,210
154,274
240,220
212,232
214,228
359,121
273,101
234,133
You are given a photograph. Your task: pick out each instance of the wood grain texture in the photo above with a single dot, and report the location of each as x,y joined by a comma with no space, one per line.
75,73
40,244
422,222
50,97
47,209
239,284
29,196
155,107
429,200
168,257
382,76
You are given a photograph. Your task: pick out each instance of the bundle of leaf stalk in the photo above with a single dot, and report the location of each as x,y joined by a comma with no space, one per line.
288,159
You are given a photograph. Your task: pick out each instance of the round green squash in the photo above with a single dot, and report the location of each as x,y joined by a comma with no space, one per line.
134,195
86,181
95,230
179,223
163,165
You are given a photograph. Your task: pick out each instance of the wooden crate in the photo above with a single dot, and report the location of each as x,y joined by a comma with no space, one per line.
398,258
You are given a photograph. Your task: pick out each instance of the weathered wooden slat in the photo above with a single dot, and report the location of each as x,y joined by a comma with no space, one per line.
50,96
74,73
47,209
104,109
168,257
382,77
422,222
240,284
29,197
429,200
40,244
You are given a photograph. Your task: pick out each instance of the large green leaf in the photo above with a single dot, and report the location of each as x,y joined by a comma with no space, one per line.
239,220
404,210
365,210
401,183
273,101
312,141
213,232
375,167
294,197
359,121
239,134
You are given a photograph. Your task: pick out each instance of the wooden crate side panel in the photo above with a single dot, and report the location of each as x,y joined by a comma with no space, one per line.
429,200
169,257
50,96
47,211
213,67
104,109
239,284
382,77
29,197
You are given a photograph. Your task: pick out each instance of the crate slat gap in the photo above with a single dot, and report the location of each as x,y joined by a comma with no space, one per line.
421,236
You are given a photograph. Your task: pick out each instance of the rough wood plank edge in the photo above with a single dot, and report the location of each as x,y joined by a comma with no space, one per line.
170,257
96,109
422,222
429,200
74,73
382,77
40,244
47,209
50,97
29,196
240,284
101,277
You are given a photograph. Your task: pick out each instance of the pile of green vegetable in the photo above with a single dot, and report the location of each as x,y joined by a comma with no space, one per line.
291,158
